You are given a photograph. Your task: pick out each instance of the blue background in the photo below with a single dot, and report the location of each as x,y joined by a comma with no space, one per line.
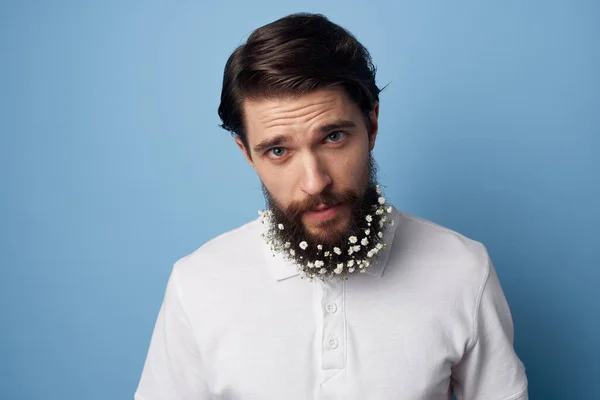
113,167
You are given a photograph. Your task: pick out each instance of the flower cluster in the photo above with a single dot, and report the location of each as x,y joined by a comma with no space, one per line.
358,254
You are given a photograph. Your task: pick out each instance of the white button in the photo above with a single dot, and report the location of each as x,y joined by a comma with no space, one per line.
331,308
333,343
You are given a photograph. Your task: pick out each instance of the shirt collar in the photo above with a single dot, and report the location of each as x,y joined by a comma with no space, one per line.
281,269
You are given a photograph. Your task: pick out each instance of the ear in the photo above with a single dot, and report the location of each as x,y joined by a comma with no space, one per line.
247,155
374,126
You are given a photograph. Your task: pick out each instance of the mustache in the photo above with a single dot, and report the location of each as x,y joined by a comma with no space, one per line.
297,208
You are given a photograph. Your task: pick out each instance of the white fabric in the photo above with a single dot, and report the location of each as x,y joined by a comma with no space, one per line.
430,317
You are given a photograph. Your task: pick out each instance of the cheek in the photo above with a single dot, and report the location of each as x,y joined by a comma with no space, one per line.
278,183
351,172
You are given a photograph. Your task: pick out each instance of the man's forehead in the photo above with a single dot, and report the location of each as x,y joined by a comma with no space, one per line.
324,106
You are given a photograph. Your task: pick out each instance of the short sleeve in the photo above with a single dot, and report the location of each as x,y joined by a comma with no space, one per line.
172,369
490,369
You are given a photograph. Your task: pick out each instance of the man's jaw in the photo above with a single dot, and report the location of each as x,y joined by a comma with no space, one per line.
324,229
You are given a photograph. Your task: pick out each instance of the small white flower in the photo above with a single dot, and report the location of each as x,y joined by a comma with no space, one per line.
327,254
319,263
369,218
367,231
292,252
378,189
303,245
339,269
350,263
350,251
287,245
310,265
280,226
381,223
363,271
322,271
351,270
389,209
319,247
379,246
337,250
381,200
370,253
353,239
380,234
379,211
356,248
364,241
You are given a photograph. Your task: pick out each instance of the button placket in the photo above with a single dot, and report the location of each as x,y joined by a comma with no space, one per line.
334,329
331,308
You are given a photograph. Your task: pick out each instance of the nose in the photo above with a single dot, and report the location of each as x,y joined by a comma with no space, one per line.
315,176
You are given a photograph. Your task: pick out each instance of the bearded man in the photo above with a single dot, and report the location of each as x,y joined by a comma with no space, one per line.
332,293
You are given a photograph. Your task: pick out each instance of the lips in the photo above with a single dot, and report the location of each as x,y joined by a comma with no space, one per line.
322,207
323,212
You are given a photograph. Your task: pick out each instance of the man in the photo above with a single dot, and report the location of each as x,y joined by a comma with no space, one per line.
332,293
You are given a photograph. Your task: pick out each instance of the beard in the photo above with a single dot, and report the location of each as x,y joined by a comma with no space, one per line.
333,244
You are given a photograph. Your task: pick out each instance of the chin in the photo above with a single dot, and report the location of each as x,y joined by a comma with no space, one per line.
329,231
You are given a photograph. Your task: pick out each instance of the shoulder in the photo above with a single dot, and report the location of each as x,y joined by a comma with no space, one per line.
438,236
440,254
223,255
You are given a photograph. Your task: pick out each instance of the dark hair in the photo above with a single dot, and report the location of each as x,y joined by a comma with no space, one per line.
294,55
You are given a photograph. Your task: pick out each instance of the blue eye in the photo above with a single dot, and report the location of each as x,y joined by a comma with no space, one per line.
277,152
334,137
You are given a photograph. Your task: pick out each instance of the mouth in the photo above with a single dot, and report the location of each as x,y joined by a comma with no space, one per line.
323,212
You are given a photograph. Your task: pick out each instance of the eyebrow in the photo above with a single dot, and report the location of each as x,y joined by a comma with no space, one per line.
280,140
337,125
265,145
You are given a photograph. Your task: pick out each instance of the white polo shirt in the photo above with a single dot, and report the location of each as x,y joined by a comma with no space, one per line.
428,319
